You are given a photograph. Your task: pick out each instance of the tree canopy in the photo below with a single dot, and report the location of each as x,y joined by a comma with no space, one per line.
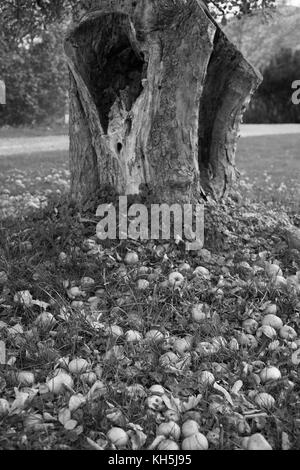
35,74
20,18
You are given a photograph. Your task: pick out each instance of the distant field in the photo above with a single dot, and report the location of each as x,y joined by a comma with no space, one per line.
26,181
42,161
270,170
32,132
277,155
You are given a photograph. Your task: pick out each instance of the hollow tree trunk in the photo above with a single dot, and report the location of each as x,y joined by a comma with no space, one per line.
157,95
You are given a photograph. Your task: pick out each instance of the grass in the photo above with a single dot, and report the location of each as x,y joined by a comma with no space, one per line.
27,180
13,132
43,161
45,251
276,155
270,169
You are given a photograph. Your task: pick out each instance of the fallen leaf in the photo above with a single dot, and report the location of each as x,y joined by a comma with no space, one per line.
137,436
64,415
224,392
191,403
93,444
70,424
237,387
172,403
296,357
19,404
41,304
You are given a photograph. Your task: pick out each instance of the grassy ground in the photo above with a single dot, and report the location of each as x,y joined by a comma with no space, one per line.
26,181
272,165
277,156
8,131
65,296
269,166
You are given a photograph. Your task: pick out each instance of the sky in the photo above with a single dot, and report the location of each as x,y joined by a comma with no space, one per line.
296,3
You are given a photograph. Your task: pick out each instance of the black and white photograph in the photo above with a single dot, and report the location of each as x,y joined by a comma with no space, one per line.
149,227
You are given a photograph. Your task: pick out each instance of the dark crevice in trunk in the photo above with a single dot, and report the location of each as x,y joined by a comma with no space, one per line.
111,67
207,111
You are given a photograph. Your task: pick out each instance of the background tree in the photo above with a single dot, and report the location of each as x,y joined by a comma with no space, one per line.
272,47
273,101
23,17
35,72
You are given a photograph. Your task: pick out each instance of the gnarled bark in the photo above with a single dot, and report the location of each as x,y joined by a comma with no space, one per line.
157,96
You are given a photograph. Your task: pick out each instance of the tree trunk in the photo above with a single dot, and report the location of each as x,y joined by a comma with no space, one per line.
157,96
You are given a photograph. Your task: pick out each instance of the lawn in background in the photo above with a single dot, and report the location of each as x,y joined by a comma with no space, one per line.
9,132
278,156
269,167
26,181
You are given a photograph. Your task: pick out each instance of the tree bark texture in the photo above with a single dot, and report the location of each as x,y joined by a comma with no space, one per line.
157,95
